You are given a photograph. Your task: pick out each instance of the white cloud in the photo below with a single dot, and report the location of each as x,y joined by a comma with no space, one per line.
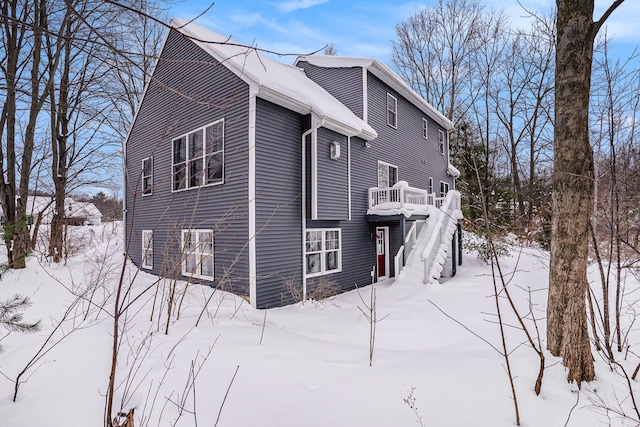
247,20
292,5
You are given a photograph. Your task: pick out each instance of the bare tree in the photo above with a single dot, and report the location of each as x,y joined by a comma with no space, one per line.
614,100
330,49
23,26
82,107
434,48
523,107
573,176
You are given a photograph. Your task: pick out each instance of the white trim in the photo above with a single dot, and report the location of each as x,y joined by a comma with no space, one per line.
365,96
349,176
253,294
442,145
430,189
394,111
304,201
323,251
386,252
202,129
381,162
425,128
146,249
197,251
314,173
385,74
446,184
142,176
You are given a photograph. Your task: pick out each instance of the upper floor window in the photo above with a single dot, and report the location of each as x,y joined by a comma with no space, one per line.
441,141
425,129
430,189
392,111
197,253
147,249
198,157
387,175
147,176
322,251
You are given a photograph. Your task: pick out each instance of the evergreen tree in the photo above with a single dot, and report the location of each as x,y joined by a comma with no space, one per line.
11,315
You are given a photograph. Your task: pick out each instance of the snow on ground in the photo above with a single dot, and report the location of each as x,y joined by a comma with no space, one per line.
301,365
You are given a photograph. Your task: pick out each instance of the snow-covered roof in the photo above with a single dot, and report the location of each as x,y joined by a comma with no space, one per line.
385,74
81,209
274,81
453,171
37,204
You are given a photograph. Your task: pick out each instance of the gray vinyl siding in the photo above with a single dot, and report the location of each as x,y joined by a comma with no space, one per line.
417,159
358,246
189,90
332,185
345,84
278,203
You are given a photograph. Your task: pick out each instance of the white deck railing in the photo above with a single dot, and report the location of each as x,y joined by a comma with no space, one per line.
409,242
433,255
401,196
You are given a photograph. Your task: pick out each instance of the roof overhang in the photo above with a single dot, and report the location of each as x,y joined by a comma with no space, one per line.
385,74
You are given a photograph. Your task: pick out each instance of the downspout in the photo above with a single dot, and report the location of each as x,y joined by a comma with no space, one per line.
349,176
313,129
453,178
124,193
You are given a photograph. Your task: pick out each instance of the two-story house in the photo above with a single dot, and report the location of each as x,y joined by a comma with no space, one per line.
254,176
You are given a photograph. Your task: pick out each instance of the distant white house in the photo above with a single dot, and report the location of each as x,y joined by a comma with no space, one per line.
77,213
82,213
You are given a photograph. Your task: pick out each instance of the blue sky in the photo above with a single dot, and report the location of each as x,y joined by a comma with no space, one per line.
361,28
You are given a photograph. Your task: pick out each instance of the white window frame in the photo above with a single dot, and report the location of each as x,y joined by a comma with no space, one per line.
193,168
425,128
392,111
147,249
199,249
320,247
430,185
147,179
441,141
444,186
388,166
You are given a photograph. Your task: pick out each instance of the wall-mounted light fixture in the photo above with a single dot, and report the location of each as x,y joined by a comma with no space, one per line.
367,144
335,150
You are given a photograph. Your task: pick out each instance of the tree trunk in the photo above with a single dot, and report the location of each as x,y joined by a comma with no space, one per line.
567,330
22,236
12,35
60,119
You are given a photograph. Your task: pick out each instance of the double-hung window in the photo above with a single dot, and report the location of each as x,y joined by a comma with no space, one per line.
323,251
441,141
147,176
392,111
198,157
430,189
147,249
387,175
425,128
197,253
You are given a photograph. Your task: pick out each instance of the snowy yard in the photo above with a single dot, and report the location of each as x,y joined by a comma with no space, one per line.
301,365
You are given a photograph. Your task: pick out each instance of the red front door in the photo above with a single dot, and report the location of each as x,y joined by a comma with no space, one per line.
381,251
